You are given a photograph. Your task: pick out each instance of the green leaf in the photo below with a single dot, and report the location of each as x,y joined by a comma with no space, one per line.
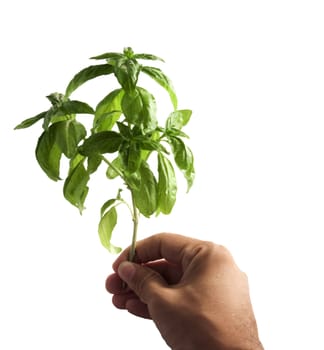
105,229
184,159
75,186
146,143
139,108
101,142
145,195
48,154
146,56
94,160
74,162
107,205
115,164
178,119
30,121
56,99
73,107
126,71
157,75
68,135
48,117
167,185
134,157
87,74
108,55
108,111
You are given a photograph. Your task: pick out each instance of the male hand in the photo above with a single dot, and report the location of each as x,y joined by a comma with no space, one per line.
192,290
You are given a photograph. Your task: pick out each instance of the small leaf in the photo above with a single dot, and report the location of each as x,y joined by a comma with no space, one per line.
48,154
116,164
107,205
146,56
56,99
139,108
73,107
126,71
48,117
146,143
108,55
87,74
105,229
184,159
167,185
75,186
146,194
30,121
101,142
157,75
178,119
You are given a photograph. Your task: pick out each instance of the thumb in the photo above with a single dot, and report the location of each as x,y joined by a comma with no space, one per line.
143,281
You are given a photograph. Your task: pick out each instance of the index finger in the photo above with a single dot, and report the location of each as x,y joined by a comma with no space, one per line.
172,247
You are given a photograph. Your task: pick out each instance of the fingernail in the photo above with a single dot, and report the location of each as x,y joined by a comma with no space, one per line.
126,271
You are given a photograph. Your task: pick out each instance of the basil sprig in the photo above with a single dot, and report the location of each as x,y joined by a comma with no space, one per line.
124,139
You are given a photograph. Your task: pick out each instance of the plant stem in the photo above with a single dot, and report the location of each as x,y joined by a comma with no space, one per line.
135,227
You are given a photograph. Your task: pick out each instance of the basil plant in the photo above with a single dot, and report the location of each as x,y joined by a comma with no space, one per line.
124,137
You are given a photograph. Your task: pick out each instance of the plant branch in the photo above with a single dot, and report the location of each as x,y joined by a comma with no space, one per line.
135,227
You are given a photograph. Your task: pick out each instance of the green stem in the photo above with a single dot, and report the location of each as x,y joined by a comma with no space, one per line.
135,227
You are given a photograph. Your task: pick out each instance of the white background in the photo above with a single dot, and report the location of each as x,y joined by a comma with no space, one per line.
253,74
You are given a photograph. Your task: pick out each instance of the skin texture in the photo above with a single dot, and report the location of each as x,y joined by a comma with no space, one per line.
193,291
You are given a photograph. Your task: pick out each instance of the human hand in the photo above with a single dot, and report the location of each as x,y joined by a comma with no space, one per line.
192,290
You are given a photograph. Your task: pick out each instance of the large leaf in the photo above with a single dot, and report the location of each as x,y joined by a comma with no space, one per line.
163,80
87,74
30,121
75,186
68,135
139,108
108,111
184,159
106,226
48,154
167,185
145,194
101,142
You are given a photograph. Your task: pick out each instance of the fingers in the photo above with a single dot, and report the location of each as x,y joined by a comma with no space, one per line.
130,302
168,246
124,298
143,281
171,274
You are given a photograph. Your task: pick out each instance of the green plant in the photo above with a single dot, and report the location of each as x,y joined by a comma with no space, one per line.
125,134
